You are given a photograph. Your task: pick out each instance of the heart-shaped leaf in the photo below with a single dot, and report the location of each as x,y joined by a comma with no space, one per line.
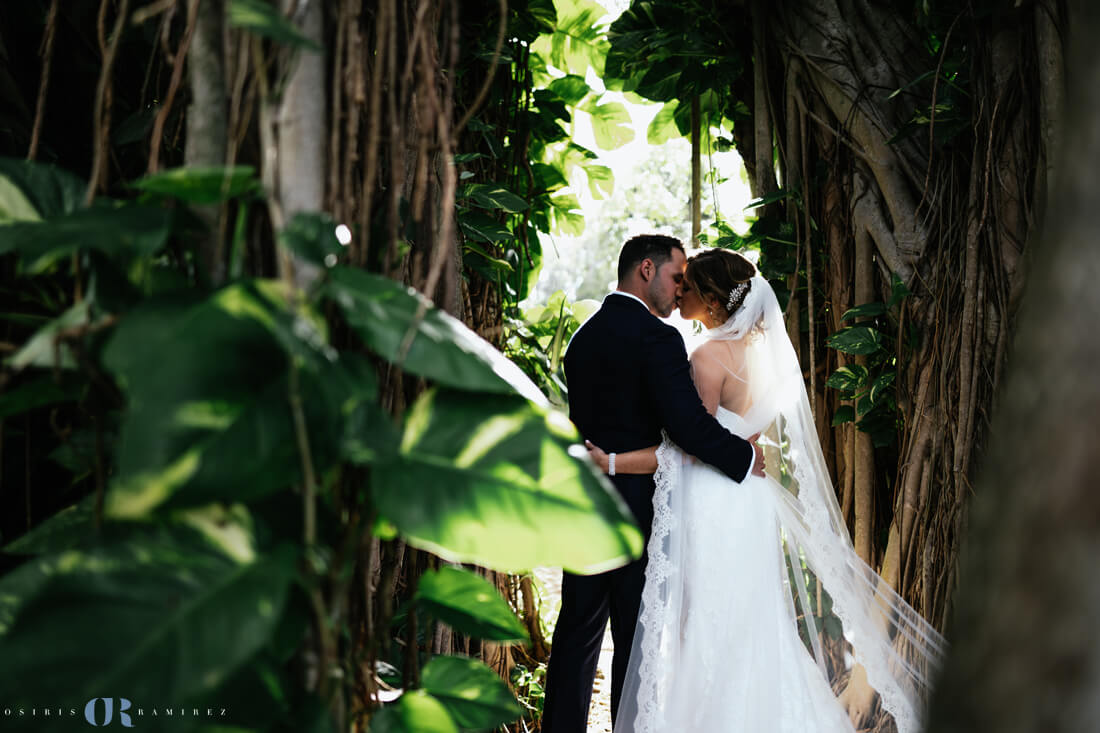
498,481
468,603
474,695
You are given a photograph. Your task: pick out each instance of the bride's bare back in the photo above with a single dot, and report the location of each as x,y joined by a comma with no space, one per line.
721,375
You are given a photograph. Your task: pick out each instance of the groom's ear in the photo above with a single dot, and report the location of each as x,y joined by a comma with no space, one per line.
646,269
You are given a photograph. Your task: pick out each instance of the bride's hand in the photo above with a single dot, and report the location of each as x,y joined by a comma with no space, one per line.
597,455
758,456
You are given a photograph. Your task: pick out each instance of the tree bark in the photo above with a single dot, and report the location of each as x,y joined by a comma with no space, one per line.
1026,654
207,120
302,130
949,216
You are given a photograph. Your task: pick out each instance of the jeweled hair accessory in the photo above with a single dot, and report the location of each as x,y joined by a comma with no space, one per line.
735,294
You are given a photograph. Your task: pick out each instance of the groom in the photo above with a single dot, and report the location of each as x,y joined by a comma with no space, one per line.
628,378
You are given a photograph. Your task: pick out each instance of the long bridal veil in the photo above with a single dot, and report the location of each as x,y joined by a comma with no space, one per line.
865,639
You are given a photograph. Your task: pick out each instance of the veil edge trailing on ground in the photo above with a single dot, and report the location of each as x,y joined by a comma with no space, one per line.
847,616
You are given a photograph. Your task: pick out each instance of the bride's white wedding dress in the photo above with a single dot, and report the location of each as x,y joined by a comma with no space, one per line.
756,609
741,664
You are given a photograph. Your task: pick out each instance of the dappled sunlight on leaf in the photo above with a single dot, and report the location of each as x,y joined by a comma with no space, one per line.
474,695
140,493
441,347
519,500
201,185
414,712
487,436
469,604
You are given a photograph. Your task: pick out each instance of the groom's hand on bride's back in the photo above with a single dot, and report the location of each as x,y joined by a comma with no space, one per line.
757,456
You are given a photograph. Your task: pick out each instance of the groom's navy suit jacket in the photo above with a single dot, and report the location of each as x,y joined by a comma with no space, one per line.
629,377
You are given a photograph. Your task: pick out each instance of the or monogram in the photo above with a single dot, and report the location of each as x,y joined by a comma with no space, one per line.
108,711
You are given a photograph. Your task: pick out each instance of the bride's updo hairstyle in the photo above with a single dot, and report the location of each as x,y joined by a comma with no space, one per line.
719,273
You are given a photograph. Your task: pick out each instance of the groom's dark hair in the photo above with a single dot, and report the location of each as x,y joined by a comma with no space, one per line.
656,247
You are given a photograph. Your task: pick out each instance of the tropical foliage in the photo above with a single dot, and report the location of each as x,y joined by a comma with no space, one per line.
216,428
230,419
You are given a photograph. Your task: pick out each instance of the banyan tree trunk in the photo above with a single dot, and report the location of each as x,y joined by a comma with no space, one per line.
1026,651
949,218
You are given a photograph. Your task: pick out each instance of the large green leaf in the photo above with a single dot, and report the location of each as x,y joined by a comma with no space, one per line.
180,397
567,214
14,204
163,615
43,348
548,178
210,386
771,198
867,310
63,530
843,414
48,190
264,19
493,196
539,17
441,347
468,603
662,127
601,181
495,480
579,39
662,80
881,425
882,385
414,712
489,266
345,398
856,340
476,225
610,124
201,185
570,156
571,88
44,390
115,231
848,378
474,695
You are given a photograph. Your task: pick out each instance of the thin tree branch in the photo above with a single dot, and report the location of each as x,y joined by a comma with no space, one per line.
46,52
173,86
101,109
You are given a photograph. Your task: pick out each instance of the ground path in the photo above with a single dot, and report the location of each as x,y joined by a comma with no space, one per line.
599,713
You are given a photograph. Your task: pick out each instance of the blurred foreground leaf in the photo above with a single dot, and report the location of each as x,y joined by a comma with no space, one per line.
475,696
413,712
441,347
468,603
490,479
161,616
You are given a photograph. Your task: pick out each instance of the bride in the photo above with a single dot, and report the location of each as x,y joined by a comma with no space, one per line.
757,614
